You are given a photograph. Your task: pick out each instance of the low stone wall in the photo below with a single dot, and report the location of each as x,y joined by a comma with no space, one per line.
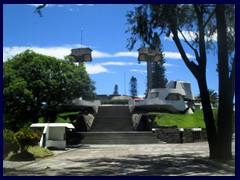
168,134
172,134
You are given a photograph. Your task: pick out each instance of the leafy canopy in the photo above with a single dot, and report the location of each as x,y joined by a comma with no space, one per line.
31,79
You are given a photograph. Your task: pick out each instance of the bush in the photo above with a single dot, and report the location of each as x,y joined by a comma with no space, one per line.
27,137
10,142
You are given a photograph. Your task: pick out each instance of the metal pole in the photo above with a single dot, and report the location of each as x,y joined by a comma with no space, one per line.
125,83
81,35
149,75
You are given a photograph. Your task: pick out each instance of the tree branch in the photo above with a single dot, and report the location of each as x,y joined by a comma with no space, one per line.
191,65
205,24
195,51
202,48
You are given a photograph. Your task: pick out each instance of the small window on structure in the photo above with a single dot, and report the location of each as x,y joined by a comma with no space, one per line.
182,84
173,97
154,95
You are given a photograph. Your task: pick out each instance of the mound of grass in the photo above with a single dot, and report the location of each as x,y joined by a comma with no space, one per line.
31,154
39,152
181,120
61,120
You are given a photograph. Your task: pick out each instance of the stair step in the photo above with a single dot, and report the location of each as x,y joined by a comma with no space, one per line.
112,118
127,137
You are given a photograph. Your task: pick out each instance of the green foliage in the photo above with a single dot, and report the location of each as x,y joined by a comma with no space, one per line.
10,143
41,120
27,137
31,79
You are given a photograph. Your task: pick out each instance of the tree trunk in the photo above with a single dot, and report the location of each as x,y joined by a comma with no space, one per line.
225,92
208,117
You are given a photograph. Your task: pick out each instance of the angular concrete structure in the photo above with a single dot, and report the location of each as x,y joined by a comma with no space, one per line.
176,97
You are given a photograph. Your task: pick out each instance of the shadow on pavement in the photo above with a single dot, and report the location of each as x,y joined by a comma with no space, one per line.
131,165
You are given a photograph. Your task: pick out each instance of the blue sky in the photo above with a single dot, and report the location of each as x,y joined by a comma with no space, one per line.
103,29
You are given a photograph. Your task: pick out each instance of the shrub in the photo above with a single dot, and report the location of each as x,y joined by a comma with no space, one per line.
27,137
10,142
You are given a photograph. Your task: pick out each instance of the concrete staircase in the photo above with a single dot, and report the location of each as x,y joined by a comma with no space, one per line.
113,125
112,118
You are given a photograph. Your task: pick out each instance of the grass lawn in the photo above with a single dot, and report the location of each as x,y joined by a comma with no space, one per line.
181,120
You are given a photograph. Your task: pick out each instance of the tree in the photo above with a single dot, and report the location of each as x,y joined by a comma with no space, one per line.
115,90
213,96
31,79
133,87
198,21
226,77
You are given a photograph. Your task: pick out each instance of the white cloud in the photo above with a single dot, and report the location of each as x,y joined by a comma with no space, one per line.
60,5
61,51
126,54
139,71
98,54
58,52
168,65
117,63
176,55
47,5
96,69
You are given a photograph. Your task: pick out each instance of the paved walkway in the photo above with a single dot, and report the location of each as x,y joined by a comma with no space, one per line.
120,160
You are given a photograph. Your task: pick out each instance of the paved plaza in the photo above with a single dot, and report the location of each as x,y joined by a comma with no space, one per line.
189,159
